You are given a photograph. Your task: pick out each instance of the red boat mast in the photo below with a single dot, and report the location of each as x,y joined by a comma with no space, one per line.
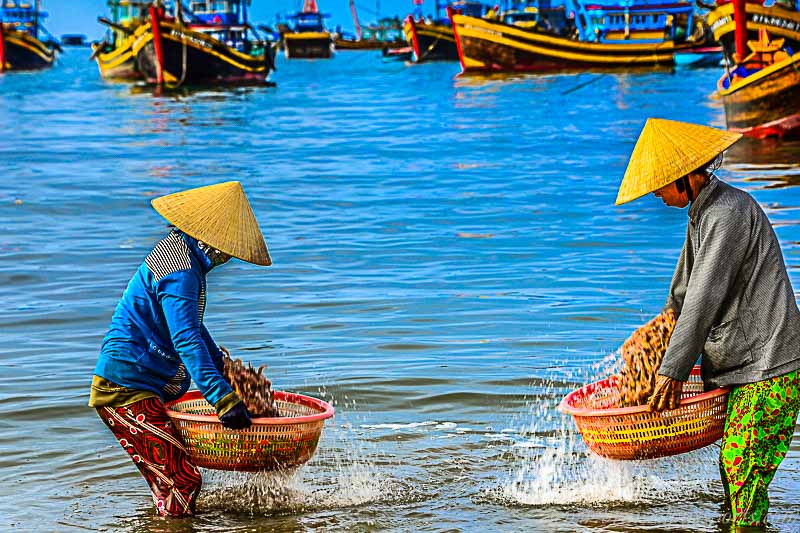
355,19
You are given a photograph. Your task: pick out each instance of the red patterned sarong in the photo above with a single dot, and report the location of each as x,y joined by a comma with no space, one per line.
145,431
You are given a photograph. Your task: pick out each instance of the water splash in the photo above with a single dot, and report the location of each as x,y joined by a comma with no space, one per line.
343,473
553,466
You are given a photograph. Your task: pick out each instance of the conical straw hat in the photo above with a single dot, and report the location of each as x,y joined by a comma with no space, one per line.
667,150
220,216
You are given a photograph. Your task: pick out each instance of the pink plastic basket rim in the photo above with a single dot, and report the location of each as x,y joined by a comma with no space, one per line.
566,404
326,408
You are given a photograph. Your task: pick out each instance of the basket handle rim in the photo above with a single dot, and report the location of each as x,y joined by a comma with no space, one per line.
566,407
327,410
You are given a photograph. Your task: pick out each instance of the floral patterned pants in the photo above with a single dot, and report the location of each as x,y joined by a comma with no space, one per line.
758,431
144,430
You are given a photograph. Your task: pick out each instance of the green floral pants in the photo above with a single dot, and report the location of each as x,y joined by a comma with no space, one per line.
759,428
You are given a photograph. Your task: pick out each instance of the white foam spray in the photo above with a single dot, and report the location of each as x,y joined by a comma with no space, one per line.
553,466
343,473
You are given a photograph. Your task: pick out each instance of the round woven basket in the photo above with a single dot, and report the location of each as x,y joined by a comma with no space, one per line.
637,433
269,444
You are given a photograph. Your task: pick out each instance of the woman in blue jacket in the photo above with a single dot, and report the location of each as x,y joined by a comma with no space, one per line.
157,343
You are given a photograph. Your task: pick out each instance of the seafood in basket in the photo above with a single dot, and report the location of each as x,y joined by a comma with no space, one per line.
251,385
268,444
639,433
642,353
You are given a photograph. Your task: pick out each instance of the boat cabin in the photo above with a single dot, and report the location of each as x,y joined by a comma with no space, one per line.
308,22
223,20
642,21
217,12
386,30
21,15
467,8
635,20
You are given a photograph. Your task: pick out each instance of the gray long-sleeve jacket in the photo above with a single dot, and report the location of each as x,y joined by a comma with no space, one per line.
731,294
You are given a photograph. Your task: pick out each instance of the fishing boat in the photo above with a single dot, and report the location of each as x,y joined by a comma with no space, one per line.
710,56
210,43
397,54
114,54
779,20
308,39
761,90
24,42
432,39
540,36
387,33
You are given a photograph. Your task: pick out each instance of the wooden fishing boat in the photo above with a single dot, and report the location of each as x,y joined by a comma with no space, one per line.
308,39
114,54
24,42
547,38
347,42
211,44
397,54
761,92
710,56
778,20
387,33
432,40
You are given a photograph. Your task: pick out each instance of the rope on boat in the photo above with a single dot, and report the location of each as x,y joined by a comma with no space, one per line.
429,49
183,64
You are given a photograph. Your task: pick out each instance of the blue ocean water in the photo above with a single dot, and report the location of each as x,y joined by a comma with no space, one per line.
448,263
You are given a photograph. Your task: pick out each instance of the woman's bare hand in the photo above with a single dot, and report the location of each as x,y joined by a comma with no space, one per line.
667,394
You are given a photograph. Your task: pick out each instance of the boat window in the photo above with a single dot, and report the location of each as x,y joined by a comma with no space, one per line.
199,7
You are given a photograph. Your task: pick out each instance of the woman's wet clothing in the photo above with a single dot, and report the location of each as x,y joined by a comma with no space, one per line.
155,346
758,432
146,433
736,306
157,341
731,294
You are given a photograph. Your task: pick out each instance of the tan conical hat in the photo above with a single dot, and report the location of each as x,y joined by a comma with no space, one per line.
220,216
667,150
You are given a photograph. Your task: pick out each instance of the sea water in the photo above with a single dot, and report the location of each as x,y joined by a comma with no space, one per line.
448,264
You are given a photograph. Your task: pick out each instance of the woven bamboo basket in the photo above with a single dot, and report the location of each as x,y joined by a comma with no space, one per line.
635,432
269,444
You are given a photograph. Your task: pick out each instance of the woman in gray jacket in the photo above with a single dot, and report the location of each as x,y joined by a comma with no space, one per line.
734,303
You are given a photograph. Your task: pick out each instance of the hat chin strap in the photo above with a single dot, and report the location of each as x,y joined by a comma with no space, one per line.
688,185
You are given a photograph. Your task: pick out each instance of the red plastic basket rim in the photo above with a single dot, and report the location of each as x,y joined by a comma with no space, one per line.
326,408
566,407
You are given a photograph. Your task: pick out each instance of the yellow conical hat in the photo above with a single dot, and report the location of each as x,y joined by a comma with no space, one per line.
667,150
220,216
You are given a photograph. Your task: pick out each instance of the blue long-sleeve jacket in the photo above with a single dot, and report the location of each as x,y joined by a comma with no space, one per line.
157,341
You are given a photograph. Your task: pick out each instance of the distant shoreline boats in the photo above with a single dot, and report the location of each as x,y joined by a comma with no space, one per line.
544,37
25,44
